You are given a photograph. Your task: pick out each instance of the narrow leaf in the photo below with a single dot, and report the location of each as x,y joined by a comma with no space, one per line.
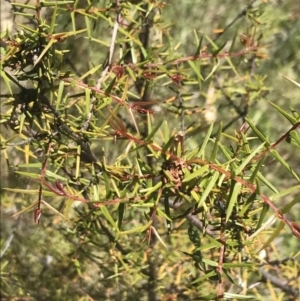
208,188
289,117
235,191
204,144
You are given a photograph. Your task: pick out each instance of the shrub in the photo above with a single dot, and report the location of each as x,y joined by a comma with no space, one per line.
146,162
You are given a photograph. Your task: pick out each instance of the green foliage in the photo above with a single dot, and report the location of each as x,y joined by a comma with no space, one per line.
146,160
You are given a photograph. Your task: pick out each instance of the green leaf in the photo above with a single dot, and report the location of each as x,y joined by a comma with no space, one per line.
158,236
77,266
110,86
255,172
245,162
258,133
264,211
73,21
196,68
228,155
28,174
137,229
6,80
30,165
287,207
204,144
233,194
208,188
266,182
204,277
238,265
152,133
228,59
68,207
216,52
131,73
107,215
51,42
91,72
214,69
215,46
274,235
150,190
291,81
55,176
59,94
294,139
289,117
195,195
233,42
210,262
216,144
283,162
199,43
195,174
54,210
194,235
53,19
26,209
163,214
88,26
231,296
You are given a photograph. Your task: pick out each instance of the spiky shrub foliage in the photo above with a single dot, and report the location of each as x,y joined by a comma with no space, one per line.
137,180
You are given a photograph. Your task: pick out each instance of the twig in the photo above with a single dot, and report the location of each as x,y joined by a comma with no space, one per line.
282,284
240,15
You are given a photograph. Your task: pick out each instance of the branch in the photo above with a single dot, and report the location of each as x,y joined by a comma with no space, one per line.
241,14
282,284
